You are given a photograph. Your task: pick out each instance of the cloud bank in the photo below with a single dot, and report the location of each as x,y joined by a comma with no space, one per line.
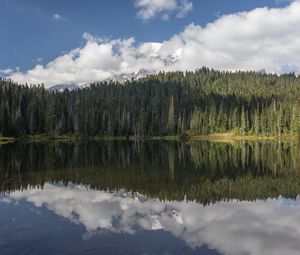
263,38
262,227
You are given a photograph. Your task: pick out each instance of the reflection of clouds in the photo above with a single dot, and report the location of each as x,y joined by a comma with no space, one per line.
261,227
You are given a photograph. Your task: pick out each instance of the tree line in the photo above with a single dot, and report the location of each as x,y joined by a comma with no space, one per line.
174,103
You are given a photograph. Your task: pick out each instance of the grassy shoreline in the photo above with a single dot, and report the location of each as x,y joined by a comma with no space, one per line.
224,137
217,137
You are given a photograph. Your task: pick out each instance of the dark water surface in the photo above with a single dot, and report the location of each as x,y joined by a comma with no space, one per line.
91,197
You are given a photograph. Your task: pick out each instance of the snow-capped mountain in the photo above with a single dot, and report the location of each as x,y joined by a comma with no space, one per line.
62,87
114,78
118,77
125,77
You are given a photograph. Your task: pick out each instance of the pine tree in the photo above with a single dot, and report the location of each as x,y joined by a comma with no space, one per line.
171,117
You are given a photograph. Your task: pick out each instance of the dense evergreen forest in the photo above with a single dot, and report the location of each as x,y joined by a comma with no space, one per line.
201,102
203,171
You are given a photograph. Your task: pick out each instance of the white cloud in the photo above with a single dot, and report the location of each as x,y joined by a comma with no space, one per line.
57,16
263,38
237,227
184,8
149,9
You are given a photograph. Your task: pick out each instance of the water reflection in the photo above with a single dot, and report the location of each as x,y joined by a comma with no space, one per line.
235,227
203,171
154,197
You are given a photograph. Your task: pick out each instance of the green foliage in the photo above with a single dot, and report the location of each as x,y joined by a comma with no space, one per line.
202,102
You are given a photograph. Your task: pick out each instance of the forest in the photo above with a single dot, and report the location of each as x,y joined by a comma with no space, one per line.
201,102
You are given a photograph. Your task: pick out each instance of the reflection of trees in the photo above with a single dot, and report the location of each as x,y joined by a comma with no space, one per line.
204,171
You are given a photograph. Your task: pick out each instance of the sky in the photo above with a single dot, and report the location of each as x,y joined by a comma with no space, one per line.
77,41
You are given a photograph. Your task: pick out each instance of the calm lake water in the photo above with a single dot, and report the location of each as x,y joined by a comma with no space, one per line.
90,197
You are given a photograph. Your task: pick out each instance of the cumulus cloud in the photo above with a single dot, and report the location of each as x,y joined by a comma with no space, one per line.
149,9
263,38
237,227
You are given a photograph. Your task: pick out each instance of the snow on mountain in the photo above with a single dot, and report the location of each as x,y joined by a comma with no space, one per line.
62,87
115,78
125,77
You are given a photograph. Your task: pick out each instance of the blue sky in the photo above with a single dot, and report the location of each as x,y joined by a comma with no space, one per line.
35,32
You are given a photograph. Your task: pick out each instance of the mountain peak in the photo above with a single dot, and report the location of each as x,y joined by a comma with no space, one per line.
123,77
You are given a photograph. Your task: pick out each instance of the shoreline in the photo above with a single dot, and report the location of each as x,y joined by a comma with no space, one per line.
217,137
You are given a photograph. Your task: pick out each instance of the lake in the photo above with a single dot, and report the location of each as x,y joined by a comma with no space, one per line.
152,197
